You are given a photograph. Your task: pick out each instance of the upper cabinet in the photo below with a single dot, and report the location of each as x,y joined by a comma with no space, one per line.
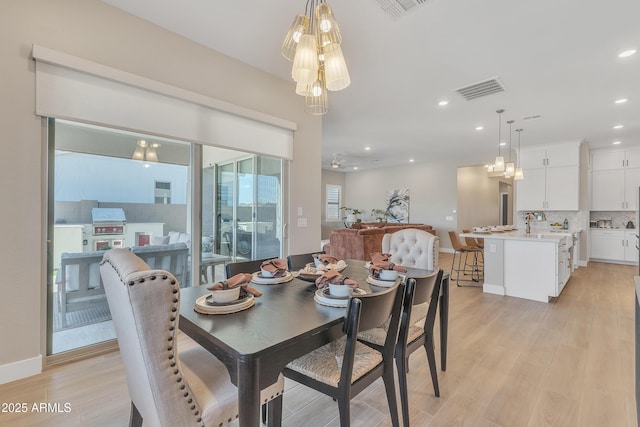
615,180
551,178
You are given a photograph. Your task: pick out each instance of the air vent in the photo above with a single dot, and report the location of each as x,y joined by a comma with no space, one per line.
536,117
483,88
399,8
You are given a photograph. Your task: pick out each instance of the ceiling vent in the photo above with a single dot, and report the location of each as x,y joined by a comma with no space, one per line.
483,88
398,8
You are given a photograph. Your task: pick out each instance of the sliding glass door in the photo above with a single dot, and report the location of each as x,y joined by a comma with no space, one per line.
109,189
249,207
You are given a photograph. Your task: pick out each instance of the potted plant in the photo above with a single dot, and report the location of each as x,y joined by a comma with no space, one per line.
380,215
351,216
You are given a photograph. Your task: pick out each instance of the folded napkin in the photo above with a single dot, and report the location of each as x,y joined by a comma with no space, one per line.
276,266
379,257
326,259
375,267
334,278
240,279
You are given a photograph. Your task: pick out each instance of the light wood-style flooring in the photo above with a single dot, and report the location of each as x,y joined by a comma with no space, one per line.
512,363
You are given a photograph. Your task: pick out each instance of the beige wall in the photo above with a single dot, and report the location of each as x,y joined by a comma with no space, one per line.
333,178
479,197
95,31
432,193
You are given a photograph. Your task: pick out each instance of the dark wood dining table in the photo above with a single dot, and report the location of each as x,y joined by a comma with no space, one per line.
284,324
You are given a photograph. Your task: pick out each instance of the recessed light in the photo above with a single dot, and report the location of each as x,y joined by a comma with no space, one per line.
503,144
411,160
367,148
618,126
479,127
617,142
626,53
443,103
355,168
621,101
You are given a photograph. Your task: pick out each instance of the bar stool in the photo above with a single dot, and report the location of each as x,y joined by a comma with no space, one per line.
459,250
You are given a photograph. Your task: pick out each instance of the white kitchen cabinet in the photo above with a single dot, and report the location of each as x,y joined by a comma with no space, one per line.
607,244
615,159
630,246
530,193
614,186
551,179
607,190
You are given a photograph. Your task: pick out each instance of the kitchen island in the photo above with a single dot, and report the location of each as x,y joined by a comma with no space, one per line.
534,266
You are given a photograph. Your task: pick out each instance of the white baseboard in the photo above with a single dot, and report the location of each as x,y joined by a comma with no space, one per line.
493,289
20,369
447,250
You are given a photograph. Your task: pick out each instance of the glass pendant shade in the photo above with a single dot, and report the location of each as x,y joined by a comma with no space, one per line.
302,90
138,153
336,72
152,155
316,102
305,63
298,28
509,170
327,30
498,165
519,174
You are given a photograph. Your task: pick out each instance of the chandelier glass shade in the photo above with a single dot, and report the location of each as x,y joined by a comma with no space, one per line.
510,167
146,151
313,43
519,173
498,165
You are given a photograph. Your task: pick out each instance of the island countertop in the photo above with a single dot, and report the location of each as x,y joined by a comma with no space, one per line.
534,266
549,235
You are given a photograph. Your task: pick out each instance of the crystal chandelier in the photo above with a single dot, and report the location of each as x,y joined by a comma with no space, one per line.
313,45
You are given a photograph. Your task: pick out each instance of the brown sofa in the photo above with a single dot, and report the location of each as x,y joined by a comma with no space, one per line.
359,243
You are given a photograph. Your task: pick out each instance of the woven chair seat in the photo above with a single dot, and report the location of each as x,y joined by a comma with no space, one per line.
325,363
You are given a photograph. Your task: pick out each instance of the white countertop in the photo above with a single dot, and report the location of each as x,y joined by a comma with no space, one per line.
550,236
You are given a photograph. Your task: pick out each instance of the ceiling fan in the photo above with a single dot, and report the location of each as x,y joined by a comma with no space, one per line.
337,164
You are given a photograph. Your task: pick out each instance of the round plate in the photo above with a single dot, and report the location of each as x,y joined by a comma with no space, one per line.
259,279
201,305
382,283
323,297
339,266
309,277
209,300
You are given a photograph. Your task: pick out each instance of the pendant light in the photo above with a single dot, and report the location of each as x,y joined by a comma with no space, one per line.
313,43
510,168
498,165
519,175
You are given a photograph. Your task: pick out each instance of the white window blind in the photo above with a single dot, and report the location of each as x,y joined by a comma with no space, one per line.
73,88
334,195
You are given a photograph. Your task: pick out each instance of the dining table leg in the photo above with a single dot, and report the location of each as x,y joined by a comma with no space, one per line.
248,393
444,321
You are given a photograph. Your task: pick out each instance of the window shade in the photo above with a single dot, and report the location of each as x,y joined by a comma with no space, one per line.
333,203
72,88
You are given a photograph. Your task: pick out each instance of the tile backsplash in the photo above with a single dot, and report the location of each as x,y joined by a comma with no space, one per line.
578,220
575,219
619,219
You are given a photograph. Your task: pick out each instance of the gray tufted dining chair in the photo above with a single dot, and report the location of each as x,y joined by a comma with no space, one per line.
167,387
411,247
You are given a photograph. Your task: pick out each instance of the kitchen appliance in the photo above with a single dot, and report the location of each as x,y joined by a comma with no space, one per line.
593,223
108,228
604,223
630,225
